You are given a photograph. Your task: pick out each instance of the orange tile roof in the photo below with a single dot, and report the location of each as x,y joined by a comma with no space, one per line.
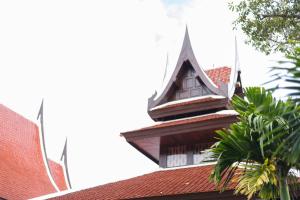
220,74
57,173
180,181
23,173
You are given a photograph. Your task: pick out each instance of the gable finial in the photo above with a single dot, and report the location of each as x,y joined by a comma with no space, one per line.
237,60
186,40
40,114
64,158
166,69
41,118
236,71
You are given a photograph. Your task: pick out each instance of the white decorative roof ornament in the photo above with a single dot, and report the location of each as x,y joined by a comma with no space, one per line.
187,54
166,69
234,71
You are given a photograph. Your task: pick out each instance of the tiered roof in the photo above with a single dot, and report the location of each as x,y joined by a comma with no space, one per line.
23,171
191,102
147,140
191,107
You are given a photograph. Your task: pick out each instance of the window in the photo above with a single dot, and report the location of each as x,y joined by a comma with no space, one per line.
177,156
201,154
188,154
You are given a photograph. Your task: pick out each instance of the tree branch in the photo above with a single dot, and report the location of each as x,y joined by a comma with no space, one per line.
281,15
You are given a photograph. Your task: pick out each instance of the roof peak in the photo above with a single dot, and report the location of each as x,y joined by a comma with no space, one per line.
236,59
186,55
186,41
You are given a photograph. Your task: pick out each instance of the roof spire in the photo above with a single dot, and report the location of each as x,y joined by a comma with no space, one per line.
186,40
41,118
64,158
166,69
235,73
237,60
186,55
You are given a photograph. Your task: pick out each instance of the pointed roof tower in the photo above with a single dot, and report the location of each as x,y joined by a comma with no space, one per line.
193,104
236,82
187,57
189,81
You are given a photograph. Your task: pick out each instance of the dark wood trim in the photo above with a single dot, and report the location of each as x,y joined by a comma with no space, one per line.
144,152
190,160
162,157
159,114
213,124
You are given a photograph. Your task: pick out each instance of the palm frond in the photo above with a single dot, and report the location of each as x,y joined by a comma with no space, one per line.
253,147
257,179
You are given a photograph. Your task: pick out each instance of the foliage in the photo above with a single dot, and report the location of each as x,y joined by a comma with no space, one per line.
290,81
289,75
261,178
271,25
247,153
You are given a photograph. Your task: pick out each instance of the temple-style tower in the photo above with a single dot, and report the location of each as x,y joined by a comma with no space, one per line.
187,112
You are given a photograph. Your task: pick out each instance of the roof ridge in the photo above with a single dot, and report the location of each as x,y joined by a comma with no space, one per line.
17,114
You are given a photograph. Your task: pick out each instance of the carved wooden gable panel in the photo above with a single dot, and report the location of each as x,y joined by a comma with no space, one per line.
188,85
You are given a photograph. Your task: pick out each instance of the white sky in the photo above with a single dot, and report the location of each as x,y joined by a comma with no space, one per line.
96,63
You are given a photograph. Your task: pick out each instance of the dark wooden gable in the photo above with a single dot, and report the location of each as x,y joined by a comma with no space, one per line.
188,80
188,84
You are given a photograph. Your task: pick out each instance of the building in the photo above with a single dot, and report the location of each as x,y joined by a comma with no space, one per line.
25,170
193,104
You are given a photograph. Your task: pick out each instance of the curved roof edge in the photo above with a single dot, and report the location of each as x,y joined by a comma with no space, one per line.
24,168
187,54
63,161
235,72
43,146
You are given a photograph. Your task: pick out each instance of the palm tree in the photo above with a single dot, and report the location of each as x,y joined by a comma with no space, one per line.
288,73
289,80
247,153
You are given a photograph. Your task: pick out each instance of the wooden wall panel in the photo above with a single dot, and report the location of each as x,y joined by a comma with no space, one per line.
188,85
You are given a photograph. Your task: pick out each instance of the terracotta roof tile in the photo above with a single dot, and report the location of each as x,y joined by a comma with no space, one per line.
23,173
57,173
220,74
161,183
